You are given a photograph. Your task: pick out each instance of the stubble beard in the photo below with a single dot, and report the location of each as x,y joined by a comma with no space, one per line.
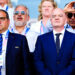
19,23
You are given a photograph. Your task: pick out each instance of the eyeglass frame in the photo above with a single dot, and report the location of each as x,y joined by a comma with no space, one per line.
3,18
21,12
70,15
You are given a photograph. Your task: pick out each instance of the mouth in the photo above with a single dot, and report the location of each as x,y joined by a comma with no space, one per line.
57,22
19,18
72,22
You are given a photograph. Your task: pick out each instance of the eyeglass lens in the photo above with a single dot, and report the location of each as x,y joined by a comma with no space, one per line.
22,12
70,15
2,18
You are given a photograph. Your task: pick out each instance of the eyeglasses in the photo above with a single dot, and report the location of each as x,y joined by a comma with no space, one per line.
2,18
22,12
70,15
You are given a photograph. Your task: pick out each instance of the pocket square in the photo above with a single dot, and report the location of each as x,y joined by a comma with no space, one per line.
16,46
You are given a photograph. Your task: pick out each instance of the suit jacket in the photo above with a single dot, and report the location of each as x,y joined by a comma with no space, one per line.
16,55
46,60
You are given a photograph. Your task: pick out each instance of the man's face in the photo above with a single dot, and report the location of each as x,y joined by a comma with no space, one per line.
4,22
47,8
58,18
71,19
20,16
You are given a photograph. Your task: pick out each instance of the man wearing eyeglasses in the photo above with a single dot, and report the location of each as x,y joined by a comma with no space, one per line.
70,12
13,49
7,6
21,17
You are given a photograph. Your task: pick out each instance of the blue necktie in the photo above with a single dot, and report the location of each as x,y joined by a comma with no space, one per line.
0,48
1,44
57,42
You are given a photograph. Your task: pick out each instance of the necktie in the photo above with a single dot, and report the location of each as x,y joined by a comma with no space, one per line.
0,44
57,42
0,49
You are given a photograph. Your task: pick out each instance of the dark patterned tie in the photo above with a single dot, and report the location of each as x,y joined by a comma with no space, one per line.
58,42
0,48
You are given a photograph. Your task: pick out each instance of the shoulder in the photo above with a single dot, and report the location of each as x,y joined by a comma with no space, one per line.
45,36
36,23
17,36
36,26
70,34
10,10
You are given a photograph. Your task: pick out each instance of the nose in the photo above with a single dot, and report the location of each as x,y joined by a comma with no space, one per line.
57,17
19,14
73,17
47,8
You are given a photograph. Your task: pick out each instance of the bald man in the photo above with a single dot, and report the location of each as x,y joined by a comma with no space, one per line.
55,51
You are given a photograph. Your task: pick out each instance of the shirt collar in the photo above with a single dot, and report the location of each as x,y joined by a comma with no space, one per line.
23,32
5,33
3,7
62,32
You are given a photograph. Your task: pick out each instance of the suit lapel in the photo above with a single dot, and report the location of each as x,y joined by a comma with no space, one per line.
11,40
64,43
53,41
51,51
52,45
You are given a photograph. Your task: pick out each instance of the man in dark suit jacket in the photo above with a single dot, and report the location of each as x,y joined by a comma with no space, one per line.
14,50
52,57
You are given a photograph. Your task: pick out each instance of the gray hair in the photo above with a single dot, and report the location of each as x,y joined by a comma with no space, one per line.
27,10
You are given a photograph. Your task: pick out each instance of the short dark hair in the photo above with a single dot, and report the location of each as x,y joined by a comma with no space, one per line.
7,15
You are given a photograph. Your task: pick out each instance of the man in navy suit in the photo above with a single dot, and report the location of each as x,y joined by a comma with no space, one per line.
14,50
55,51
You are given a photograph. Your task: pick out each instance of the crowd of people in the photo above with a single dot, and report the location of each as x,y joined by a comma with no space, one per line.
46,47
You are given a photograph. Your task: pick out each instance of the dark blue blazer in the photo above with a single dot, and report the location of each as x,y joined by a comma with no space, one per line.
46,60
16,55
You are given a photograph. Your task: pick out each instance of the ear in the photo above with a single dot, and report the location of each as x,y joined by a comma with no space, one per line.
28,18
13,17
66,20
8,21
51,20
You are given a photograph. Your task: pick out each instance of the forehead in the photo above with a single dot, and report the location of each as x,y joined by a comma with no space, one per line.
20,8
47,3
58,11
2,13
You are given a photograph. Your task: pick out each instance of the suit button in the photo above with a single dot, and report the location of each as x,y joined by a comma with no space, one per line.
58,62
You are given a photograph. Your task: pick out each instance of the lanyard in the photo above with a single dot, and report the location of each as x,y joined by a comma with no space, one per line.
6,37
27,29
43,29
6,8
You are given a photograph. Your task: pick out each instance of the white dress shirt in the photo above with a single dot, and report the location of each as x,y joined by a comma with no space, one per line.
60,37
4,46
24,32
